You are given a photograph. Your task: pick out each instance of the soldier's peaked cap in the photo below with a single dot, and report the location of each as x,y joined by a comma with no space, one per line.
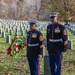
53,14
32,21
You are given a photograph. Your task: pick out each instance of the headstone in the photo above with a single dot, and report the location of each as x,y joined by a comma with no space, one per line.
23,23
0,31
45,42
4,27
8,39
25,40
26,31
12,28
3,34
46,66
70,46
74,32
7,29
16,29
11,32
20,28
24,27
43,53
9,26
16,34
27,26
22,33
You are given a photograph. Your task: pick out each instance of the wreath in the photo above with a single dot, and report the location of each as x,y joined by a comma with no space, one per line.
16,45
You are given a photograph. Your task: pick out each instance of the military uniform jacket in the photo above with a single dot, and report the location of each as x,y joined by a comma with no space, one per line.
56,32
34,41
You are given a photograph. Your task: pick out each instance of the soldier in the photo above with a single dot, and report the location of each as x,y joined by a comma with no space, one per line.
56,43
34,47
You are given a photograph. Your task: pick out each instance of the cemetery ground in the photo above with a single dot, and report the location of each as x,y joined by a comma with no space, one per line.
18,64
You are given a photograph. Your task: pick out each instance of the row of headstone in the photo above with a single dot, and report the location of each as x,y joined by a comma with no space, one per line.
13,25
13,22
7,29
22,26
72,26
8,39
13,28
11,32
3,33
71,30
43,27
22,33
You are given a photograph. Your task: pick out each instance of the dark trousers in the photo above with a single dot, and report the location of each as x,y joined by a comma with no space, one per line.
34,66
55,64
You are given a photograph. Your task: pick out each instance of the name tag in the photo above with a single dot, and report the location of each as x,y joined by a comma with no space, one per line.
34,35
57,30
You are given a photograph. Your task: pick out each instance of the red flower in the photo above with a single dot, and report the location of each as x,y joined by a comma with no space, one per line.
17,46
9,50
25,44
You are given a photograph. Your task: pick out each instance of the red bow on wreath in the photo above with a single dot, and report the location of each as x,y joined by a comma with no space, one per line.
25,44
9,50
16,45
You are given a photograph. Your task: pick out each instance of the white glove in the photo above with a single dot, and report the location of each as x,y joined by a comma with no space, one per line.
39,56
63,53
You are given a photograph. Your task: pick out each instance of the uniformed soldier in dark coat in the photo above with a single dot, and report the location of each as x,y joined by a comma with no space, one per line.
34,47
56,43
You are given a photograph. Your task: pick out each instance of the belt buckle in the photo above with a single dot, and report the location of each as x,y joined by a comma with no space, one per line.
52,40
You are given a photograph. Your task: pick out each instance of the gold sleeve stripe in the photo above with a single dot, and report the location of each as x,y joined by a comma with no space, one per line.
41,38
